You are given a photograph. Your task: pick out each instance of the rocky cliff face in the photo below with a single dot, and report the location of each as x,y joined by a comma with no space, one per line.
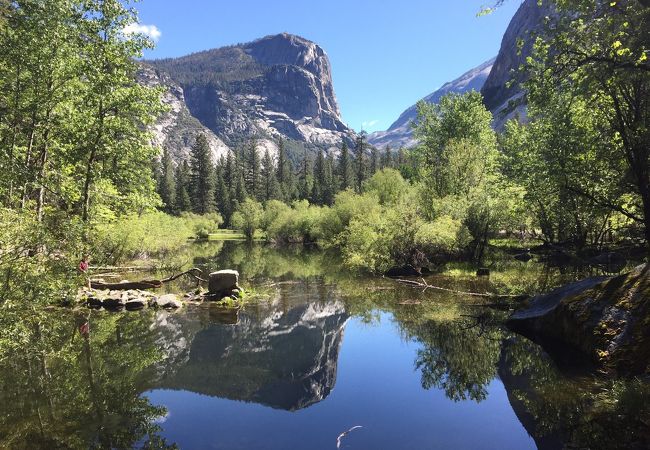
277,86
504,100
177,129
400,133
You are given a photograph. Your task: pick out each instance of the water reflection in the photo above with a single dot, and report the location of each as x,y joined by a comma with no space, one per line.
282,354
60,388
417,369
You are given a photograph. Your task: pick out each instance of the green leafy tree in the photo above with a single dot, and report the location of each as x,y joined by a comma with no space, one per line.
597,51
248,217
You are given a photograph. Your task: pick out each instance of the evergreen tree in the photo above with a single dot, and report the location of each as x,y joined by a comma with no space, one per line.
269,180
329,187
305,178
240,193
166,183
401,157
319,179
222,192
344,169
360,165
252,170
182,181
387,158
201,176
374,161
285,175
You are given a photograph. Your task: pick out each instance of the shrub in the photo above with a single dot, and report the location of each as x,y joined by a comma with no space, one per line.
248,217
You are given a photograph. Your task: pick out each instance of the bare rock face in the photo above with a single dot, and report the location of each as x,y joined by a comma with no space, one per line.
607,319
177,129
506,101
277,86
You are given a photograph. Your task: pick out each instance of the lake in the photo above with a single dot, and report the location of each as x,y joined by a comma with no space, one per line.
318,359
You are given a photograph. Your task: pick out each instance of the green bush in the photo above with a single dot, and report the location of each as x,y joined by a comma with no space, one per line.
248,217
152,235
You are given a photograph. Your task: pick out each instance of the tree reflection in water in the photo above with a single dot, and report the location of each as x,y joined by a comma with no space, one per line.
63,388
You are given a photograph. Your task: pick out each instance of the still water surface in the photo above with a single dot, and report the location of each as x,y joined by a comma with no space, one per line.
319,354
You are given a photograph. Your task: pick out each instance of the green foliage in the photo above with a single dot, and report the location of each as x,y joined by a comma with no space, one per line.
592,70
248,217
154,237
387,185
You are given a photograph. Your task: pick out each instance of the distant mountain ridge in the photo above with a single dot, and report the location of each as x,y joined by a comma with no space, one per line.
400,133
499,80
279,86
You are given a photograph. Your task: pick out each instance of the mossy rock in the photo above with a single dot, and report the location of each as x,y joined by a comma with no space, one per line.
607,319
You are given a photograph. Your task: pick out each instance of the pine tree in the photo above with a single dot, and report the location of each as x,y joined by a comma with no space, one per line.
374,161
387,158
269,180
285,177
182,181
252,170
344,169
230,171
319,179
222,192
360,161
329,181
305,178
166,182
201,176
401,157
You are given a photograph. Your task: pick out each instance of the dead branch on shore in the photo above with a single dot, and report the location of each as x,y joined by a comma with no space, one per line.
426,286
145,284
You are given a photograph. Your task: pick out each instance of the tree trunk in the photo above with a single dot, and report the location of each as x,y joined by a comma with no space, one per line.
28,159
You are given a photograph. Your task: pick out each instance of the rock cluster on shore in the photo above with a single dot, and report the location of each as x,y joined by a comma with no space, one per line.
223,289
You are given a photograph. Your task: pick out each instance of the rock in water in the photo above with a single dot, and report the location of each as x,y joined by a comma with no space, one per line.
608,319
222,281
167,301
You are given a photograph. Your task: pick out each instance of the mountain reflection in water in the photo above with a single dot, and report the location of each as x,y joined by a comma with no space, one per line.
278,355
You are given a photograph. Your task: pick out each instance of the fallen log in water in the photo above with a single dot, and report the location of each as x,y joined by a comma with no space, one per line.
426,286
144,284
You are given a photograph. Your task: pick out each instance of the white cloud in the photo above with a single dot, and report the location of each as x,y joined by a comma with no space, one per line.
151,31
369,124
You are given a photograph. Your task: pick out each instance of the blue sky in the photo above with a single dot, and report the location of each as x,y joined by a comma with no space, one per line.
385,55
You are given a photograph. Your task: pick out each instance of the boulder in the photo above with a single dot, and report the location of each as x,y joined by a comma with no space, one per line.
114,302
605,318
222,281
167,301
134,304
